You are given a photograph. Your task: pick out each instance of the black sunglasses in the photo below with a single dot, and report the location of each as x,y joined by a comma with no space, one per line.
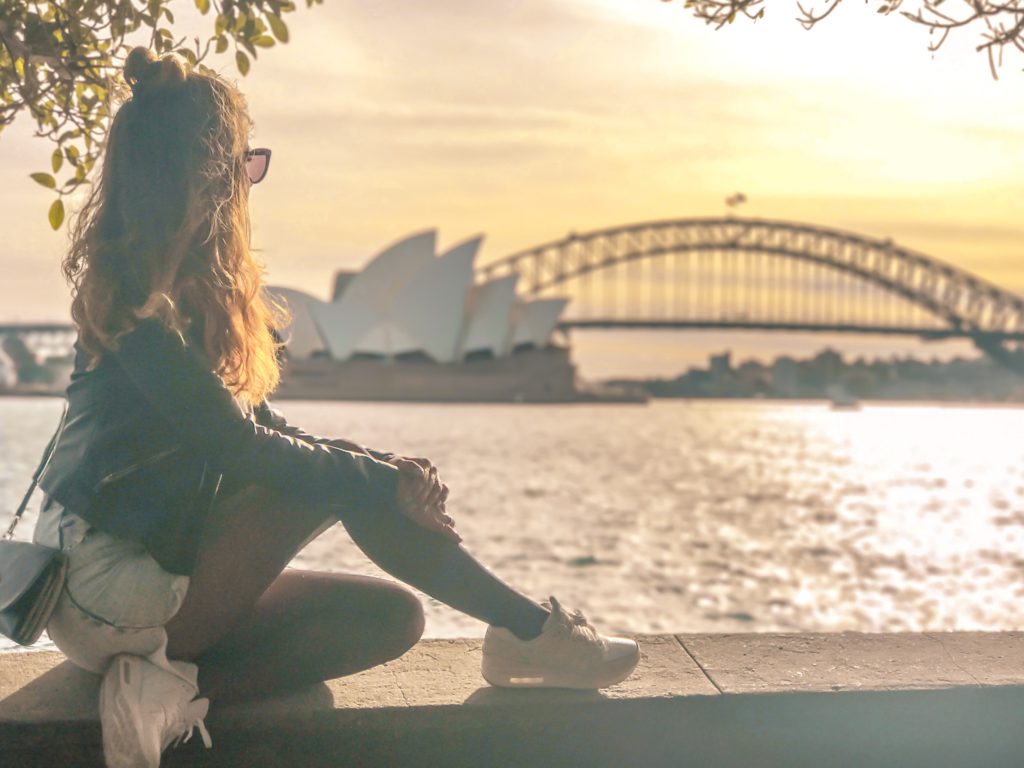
257,163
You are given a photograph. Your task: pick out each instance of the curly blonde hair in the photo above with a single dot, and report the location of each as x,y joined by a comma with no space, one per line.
165,232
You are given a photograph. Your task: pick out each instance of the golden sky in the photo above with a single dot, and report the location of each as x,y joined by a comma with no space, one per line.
526,119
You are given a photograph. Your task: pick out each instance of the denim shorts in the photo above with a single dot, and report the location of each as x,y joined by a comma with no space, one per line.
116,597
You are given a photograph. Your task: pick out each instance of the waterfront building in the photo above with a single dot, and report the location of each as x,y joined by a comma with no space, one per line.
8,371
408,302
412,324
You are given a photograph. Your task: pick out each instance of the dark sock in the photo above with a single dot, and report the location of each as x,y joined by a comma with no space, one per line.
529,628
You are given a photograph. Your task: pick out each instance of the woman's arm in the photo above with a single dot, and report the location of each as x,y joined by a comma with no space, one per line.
274,419
428,511
177,382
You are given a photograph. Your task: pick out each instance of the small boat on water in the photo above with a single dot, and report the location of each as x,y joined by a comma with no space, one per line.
841,398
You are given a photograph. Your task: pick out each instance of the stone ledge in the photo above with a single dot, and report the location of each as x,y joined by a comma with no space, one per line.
751,699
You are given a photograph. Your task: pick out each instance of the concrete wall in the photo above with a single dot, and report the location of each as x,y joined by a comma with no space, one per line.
695,700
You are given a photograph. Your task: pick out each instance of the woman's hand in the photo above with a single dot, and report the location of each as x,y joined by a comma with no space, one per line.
422,496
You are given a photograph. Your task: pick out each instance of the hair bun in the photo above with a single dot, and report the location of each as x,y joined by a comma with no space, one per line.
144,69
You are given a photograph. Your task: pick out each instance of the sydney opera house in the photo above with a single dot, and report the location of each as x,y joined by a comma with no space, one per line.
414,325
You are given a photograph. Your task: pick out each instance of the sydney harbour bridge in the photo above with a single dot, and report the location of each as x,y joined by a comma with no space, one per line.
753,274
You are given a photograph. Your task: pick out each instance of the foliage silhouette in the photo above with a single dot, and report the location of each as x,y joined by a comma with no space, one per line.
1000,24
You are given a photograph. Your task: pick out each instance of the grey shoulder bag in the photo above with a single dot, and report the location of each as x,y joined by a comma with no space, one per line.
31,575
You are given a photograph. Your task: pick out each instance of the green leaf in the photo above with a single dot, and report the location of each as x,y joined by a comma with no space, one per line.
222,44
45,179
220,24
264,41
278,27
203,6
243,65
56,160
56,214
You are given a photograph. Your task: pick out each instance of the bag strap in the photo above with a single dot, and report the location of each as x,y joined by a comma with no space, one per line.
47,454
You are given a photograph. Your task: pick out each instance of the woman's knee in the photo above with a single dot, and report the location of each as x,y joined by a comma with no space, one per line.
389,612
404,620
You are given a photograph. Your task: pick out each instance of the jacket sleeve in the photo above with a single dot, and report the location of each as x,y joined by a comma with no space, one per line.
270,417
178,383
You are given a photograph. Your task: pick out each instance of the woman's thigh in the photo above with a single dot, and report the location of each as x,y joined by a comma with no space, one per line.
321,616
308,627
246,543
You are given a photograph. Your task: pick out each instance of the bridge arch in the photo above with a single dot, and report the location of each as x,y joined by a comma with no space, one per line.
961,304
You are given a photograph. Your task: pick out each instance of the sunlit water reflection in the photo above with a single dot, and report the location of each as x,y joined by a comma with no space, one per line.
700,516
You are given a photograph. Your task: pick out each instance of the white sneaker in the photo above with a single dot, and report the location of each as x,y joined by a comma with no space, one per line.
568,653
144,708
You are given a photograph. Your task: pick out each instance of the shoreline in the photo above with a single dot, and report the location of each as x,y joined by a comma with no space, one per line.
13,393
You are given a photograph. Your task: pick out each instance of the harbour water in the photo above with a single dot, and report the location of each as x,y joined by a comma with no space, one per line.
709,516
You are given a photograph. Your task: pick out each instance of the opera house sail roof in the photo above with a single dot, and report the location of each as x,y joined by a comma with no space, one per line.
408,300
490,316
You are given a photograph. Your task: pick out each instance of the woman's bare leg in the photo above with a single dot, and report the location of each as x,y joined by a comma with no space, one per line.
308,627
443,569
253,629
233,619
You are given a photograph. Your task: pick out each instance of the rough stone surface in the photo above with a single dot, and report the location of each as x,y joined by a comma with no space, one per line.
763,663
443,673
43,686
665,669
991,659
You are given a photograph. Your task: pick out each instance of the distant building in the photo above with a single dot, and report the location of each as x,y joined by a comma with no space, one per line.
341,280
753,377
25,362
415,325
827,376
408,303
8,373
786,377
720,365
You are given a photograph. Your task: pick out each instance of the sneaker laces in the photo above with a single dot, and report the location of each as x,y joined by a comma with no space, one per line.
188,725
576,623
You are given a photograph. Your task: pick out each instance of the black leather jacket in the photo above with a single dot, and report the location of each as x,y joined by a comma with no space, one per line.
151,433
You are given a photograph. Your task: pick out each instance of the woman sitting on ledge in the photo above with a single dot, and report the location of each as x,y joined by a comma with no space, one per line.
180,496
